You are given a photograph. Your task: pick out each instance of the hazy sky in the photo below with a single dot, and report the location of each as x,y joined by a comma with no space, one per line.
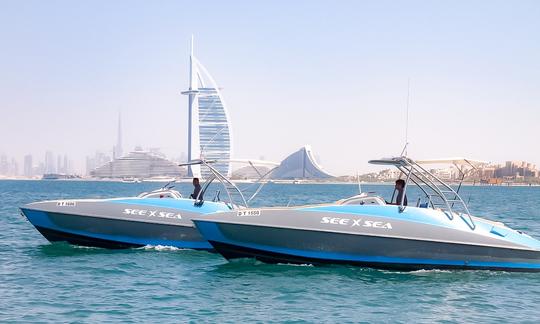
332,74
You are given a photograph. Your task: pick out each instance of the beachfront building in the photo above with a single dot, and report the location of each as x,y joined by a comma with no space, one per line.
209,128
513,169
301,165
138,164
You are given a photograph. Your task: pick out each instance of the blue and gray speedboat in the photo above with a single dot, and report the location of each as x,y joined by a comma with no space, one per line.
160,217
438,232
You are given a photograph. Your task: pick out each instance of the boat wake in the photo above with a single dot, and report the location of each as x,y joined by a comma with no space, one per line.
81,247
420,272
296,264
429,271
161,248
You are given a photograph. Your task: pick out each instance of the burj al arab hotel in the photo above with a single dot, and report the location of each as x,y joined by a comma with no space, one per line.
209,127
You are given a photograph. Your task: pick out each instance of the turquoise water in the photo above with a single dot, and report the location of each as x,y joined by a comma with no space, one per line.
40,281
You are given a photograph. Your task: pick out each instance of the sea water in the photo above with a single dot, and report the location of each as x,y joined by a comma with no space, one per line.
57,282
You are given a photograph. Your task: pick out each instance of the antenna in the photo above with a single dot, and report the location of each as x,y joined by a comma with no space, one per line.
359,185
407,117
191,45
404,151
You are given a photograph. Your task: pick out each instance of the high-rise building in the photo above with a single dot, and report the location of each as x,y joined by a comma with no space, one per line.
59,168
28,166
50,166
65,167
13,167
96,161
209,129
117,149
40,169
90,164
4,165
8,167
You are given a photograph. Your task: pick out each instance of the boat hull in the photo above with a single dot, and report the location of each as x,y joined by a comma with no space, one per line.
84,240
118,224
230,252
268,239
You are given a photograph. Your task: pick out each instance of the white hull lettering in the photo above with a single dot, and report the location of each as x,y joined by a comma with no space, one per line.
152,213
355,222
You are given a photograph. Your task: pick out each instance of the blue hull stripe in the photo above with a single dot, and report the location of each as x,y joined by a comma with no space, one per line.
210,230
39,218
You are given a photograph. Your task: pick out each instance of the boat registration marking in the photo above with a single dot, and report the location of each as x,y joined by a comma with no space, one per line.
64,203
251,212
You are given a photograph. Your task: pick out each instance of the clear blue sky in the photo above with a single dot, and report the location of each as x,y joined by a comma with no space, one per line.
332,74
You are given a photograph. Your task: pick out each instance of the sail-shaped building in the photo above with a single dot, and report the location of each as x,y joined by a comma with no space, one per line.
209,128
301,165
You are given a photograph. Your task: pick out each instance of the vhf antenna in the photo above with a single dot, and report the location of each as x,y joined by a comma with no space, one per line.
404,151
358,181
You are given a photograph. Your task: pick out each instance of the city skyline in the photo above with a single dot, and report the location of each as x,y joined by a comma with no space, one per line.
60,164
29,167
328,75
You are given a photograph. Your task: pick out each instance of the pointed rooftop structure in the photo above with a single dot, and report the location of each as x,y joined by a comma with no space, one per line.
209,129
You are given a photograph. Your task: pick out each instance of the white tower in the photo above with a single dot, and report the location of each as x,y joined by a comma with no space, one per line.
209,130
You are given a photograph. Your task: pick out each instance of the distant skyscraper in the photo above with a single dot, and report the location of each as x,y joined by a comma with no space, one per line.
90,164
28,166
50,166
14,167
4,165
117,150
65,166
59,164
40,169
209,129
96,161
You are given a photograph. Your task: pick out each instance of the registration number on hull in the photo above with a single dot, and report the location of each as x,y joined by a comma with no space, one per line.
251,212
64,203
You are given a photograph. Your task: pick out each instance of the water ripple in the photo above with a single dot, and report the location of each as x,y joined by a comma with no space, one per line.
42,282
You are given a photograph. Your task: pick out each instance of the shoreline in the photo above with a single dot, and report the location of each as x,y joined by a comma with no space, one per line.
287,182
